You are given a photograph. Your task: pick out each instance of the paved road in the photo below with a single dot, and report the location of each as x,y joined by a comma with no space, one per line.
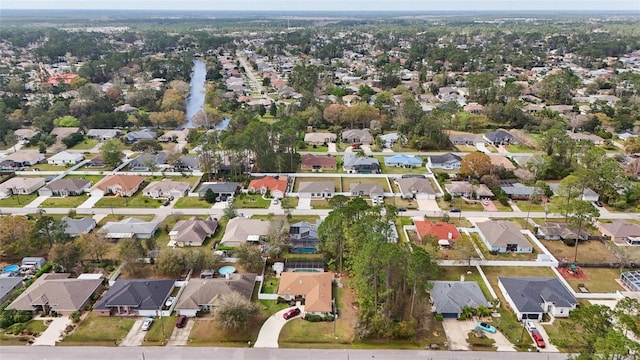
191,353
270,330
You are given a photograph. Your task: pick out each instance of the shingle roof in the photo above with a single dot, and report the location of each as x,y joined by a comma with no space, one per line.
193,231
221,187
528,293
141,294
168,185
67,184
127,182
240,229
316,288
316,186
622,228
58,291
351,160
403,160
415,185
269,182
209,291
445,158
129,227
452,296
310,160
78,226
502,233
440,230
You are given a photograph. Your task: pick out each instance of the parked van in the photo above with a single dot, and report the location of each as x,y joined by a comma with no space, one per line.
181,321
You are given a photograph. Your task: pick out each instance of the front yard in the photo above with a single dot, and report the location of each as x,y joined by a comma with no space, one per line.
21,334
135,201
190,202
208,333
64,202
99,331
160,331
247,201
18,200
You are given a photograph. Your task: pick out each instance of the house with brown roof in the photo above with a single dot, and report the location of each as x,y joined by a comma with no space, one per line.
276,186
444,232
65,187
62,133
318,163
166,188
316,189
192,232
314,287
503,236
357,136
501,161
416,188
318,138
23,158
241,230
56,292
121,185
467,189
206,294
20,186
620,231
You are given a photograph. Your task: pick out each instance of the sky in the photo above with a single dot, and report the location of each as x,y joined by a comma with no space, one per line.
329,5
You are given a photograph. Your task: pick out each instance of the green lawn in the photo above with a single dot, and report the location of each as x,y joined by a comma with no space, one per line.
600,280
64,202
189,202
529,206
465,205
119,217
348,181
454,273
160,331
18,200
93,178
86,144
294,218
99,331
320,204
206,332
31,329
519,149
135,201
314,148
247,201
336,182
270,285
47,167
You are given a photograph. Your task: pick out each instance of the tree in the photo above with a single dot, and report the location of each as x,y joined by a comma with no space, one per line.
49,231
278,236
15,233
273,109
558,88
147,145
209,196
73,139
67,255
249,258
335,114
94,245
111,153
66,121
130,250
230,211
234,311
475,165
10,140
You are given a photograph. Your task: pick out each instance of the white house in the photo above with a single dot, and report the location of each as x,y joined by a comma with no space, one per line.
531,297
65,158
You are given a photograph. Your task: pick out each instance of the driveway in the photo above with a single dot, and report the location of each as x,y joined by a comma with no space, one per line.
270,331
490,206
94,197
331,148
304,204
180,337
428,205
482,148
135,337
37,201
456,332
53,332
502,343
550,347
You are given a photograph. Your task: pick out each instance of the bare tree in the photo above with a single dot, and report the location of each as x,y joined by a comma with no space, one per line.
235,311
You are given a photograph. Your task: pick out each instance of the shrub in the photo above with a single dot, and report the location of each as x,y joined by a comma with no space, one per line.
570,242
439,317
313,318
75,316
447,197
45,269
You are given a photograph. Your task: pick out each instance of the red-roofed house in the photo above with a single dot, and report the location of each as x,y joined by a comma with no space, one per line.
318,163
56,79
277,187
445,233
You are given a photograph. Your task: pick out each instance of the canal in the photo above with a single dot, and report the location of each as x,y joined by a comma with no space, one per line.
195,101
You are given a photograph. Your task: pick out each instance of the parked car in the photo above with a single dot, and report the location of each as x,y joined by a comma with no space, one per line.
486,327
454,210
291,313
530,325
485,202
598,203
181,321
170,301
537,337
147,324
166,202
401,209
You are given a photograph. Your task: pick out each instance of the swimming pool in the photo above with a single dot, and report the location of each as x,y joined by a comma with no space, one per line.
11,268
226,270
304,250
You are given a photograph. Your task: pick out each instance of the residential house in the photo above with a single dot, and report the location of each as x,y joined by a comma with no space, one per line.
354,164
221,190
467,190
560,231
416,188
404,161
149,161
192,232
357,136
241,230
620,231
126,108
314,287
56,292
33,262
96,162
500,137
317,138
166,188
65,187
473,108
587,194
390,139
447,161
316,189
595,139
318,163
130,228
62,133
532,297
188,163
303,237
8,285
172,135
206,294
445,233
23,158
103,134
448,298
20,186
503,236
373,190
134,136
517,191
24,134
76,227
138,297
120,185
466,139
277,186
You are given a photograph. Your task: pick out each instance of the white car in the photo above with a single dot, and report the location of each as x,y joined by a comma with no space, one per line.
147,324
169,301
530,325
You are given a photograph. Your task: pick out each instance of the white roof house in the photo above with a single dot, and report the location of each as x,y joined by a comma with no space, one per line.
65,158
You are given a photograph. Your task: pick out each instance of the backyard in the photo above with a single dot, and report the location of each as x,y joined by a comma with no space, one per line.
598,280
93,178
86,144
590,251
99,331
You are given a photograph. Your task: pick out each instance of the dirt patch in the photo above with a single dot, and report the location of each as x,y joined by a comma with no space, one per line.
573,274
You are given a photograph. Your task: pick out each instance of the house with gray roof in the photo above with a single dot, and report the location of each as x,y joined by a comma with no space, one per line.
500,137
138,297
188,163
449,297
559,231
75,227
103,134
316,189
318,138
129,228
467,190
390,139
503,236
148,161
447,161
416,188
192,232
8,285
205,294
465,139
531,297
357,136
65,187
354,164
373,190
517,191
221,190
134,136
303,235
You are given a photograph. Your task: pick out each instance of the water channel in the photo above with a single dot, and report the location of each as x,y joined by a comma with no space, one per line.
195,101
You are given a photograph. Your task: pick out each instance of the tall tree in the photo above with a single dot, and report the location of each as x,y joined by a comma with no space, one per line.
235,311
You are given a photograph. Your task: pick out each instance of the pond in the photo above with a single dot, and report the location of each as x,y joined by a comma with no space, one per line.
195,101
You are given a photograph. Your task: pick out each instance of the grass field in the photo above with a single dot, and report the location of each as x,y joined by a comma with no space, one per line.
64,202
591,251
135,201
348,181
99,331
519,149
18,200
246,201
47,167
598,280
93,178
86,144
320,204
188,202
314,148
208,333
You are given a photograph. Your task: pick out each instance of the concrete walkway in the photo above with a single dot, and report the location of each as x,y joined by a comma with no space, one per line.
36,202
94,197
54,332
180,337
135,337
270,331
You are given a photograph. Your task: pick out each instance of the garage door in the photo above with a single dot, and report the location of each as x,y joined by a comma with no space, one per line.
450,315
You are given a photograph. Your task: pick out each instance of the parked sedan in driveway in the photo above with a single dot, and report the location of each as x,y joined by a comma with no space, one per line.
537,337
147,324
486,327
291,313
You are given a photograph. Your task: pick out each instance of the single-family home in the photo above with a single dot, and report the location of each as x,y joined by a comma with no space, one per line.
446,161
137,297
318,138
416,188
303,237
518,191
65,158
172,135
33,262
500,137
446,234
532,297
357,136
560,231
402,160
8,285
620,230
277,186
450,297
503,236
595,139
467,190
318,163
25,134
121,185
129,228
206,294
96,162
62,133
466,139
56,292
587,194
354,164
221,190
23,158
314,287
103,134
134,136
20,186
316,189
149,161
192,232
241,230
390,139
76,227
166,188
188,163
373,190
65,187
